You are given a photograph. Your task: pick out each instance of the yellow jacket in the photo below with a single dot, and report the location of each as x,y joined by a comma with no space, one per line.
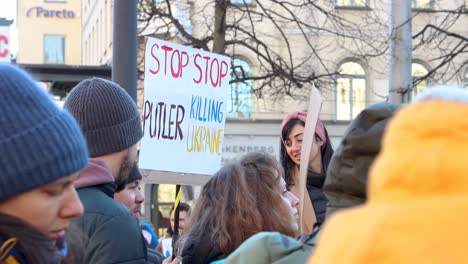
417,207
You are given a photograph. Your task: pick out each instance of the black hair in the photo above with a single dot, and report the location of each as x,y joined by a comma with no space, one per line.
288,164
183,207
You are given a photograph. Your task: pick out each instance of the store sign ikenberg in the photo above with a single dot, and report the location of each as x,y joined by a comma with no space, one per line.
39,11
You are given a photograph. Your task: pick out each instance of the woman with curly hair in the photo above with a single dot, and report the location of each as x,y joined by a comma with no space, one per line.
243,198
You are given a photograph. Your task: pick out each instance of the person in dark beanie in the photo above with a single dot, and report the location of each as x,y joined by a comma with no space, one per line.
130,195
42,152
110,122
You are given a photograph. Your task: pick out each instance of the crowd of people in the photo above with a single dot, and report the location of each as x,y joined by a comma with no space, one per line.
393,191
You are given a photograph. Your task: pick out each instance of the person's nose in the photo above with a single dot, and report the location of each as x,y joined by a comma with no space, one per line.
72,206
296,146
294,200
139,198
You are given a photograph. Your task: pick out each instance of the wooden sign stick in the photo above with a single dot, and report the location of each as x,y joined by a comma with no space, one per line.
307,216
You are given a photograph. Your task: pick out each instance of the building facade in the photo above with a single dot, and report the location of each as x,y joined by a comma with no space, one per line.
49,32
253,123
360,81
96,30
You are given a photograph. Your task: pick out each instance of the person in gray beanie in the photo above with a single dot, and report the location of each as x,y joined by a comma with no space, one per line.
110,122
42,151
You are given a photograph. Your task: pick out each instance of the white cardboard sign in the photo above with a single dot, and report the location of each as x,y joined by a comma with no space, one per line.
184,109
5,44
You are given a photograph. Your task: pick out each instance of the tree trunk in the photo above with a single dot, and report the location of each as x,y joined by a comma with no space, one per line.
219,44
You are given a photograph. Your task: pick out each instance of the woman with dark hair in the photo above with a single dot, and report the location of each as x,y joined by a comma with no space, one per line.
243,198
292,133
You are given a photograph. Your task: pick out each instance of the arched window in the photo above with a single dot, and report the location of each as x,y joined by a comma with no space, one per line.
239,99
418,70
350,90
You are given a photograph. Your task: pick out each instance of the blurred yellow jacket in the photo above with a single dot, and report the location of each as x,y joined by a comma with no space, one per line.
417,207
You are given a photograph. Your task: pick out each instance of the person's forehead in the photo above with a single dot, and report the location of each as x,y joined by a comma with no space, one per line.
181,214
296,130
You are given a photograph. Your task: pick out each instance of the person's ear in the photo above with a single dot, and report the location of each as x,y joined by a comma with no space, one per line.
319,141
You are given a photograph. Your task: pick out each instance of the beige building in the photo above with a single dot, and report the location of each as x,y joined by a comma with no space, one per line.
96,29
361,83
253,123
49,32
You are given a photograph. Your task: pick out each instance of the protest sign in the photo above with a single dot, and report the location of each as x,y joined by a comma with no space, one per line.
4,43
184,112
307,216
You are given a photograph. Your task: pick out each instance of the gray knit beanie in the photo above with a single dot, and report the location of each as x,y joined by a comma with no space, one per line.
107,115
39,142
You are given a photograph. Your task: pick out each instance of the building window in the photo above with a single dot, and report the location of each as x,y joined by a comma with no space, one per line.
240,96
421,4
241,2
466,78
418,70
350,90
54,49
351,3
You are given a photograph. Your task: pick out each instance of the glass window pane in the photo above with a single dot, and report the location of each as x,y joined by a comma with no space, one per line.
466,79
241,2
359,96
240,98
421,4
418,70
420,87
343,104
343,2
358,3
351,68
54,49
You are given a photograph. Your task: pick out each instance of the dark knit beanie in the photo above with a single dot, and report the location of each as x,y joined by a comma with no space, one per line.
107,115
39,142
134,175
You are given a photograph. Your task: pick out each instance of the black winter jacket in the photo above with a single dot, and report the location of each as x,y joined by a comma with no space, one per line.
319,200
109,232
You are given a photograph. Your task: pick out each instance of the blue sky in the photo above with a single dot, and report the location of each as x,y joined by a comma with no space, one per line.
8,9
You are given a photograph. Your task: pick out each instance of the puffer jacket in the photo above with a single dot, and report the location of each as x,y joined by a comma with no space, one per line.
417,195
107,231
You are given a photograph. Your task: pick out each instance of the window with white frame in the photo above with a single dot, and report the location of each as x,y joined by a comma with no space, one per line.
418,70
421,4
351,3
54,49
240,96
350,90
